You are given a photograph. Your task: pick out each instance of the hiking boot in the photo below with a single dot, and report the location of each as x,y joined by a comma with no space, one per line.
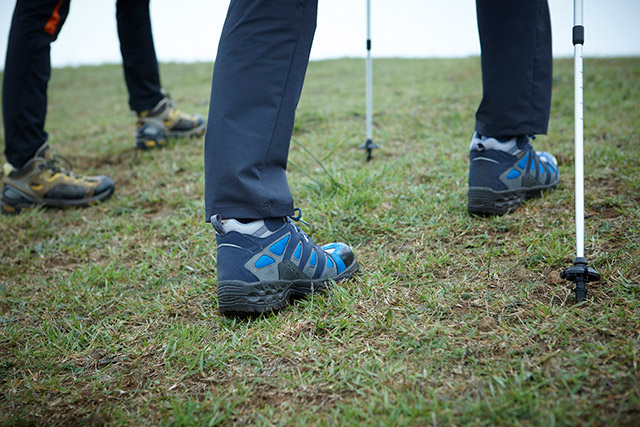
164,121
503,174
43,182
265,264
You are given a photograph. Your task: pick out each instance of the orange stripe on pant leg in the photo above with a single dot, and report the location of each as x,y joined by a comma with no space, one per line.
52,24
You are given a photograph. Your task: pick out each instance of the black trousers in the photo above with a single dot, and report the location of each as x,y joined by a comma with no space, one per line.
515,40
35,24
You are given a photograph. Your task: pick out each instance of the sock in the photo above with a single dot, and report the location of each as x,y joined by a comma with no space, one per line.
7,168
512,145
253,227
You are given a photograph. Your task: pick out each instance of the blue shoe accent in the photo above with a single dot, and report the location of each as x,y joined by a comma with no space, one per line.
502,175
330,263
334,250
514,174
523,162
278,247
275,263
549,160
264,261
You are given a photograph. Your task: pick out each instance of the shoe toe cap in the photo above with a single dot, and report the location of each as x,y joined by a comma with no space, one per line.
342,250
105,185
551,162
547,157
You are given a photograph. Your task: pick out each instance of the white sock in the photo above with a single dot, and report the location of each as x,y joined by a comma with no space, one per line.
480,143
7,168
255,228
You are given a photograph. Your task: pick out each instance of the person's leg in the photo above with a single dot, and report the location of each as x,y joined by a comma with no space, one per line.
27,71
259,71
138,54
515,38
32,176
263,258
157,116
504,168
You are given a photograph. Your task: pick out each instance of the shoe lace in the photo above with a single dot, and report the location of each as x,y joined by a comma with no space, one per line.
298,217
57,164
537,164
172,108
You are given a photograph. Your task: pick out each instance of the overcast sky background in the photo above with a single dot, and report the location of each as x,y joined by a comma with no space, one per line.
189,30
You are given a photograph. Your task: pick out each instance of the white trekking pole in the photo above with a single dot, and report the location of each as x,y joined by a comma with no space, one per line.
369,144
579,274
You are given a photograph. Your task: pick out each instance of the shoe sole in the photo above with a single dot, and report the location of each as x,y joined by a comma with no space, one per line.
486,201
195,132
27,202
152,144
241,298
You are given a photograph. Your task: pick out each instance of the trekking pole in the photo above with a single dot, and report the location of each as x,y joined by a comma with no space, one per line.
579,274
369,144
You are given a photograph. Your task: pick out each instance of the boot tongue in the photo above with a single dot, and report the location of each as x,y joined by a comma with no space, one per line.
274,224
45,152
522,141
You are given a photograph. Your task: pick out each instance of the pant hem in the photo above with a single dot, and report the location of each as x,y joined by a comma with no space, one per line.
502,132
250,211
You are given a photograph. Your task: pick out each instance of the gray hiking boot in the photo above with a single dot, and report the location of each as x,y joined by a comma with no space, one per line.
42,181
165,121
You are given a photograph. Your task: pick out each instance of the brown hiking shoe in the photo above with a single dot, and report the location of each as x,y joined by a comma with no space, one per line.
164,121
43,182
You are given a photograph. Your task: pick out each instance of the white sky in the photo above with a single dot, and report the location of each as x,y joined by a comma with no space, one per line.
189,30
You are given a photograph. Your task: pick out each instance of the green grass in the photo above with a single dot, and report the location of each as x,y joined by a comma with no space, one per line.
108,314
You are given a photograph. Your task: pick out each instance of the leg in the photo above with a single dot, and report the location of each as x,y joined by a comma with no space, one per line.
254,94
264,260
515,38
33,176
138,54
504,168
26,76
157,116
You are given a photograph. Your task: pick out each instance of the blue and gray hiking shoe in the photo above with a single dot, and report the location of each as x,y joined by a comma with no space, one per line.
265,264
503,174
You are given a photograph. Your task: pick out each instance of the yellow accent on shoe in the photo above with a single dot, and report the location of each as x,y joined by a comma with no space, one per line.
166,117
54,177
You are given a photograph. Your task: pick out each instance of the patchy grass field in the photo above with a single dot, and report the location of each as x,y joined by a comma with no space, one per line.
108,314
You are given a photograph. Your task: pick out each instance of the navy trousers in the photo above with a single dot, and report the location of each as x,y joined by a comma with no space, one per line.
35,25
257,79
259,71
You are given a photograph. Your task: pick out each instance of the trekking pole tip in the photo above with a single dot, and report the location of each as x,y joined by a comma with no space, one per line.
369,145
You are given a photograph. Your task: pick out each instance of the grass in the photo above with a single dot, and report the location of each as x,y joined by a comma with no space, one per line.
108,314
